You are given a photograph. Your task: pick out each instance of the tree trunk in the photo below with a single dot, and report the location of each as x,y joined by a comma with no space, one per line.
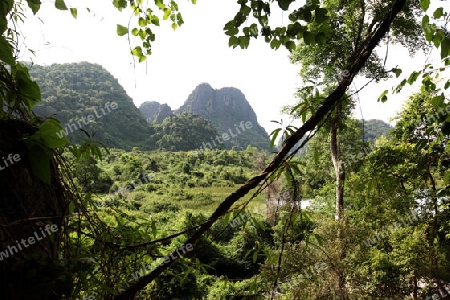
338,164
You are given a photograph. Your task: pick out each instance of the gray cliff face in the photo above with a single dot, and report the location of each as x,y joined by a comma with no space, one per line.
226,109
154,112
163,112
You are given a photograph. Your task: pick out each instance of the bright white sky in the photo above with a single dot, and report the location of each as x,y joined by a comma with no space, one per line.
196,52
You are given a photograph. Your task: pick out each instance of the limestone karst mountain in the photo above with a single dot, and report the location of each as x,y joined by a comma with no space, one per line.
226,108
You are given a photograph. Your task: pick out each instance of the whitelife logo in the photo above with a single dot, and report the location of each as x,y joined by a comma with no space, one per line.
90,118
10,158
141,272
31,240
225,136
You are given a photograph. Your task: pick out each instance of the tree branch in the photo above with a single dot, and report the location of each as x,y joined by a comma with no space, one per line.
370,43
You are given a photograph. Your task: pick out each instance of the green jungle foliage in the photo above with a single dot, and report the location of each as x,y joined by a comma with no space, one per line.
121,215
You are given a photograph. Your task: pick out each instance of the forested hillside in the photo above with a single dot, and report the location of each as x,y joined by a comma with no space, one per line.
71,92
86,97
227,109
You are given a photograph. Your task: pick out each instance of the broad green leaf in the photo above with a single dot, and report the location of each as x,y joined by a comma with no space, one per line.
120,4
438,101
308,37
233,41
320,38
445,47
321,15
244,41
40,162
167,12
155,20
35,5
174,26
293,29
306,15
142,22
47,134
290,45
121,30
74,12
397,72
27,87
425,4
413,77
59,4
160,4
284,4
135,31
438,38
137,51
6,51
438,13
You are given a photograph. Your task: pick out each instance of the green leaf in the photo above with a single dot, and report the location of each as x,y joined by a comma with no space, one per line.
284,4
438,38
244,41
413,77
233,41
121,30
137,51
135,31
321,15
35,5
447,84
160,4
294,29
425,4
319,239
27,87
397,72
447,177
59,4
47,134
74,12
155,20
383,98
445,47
40,162
274,135
438,13
320,38
6,52
255,256
309,38
290,45
167,12
306,15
